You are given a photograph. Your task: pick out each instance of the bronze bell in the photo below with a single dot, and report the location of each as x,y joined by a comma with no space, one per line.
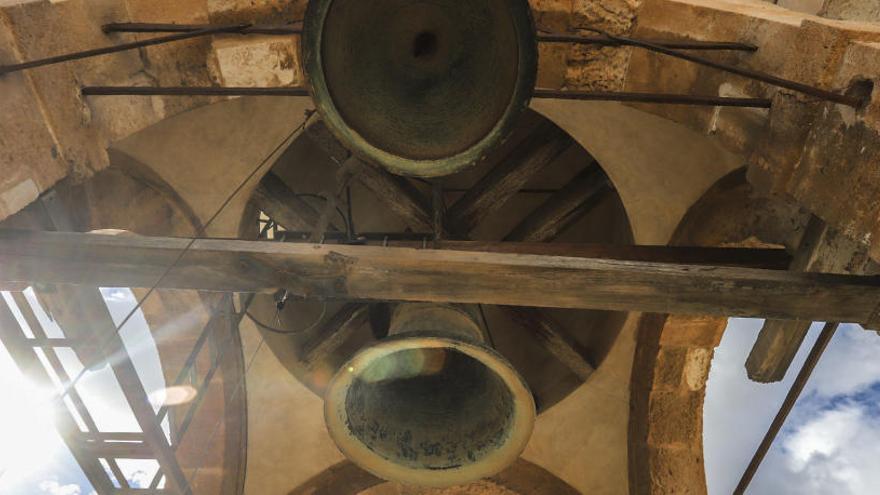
424,88
432,404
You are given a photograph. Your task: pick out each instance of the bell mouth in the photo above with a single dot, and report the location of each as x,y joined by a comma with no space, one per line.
429,411
388,76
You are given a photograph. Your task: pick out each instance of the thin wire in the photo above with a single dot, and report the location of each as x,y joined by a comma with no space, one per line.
192,483
201,231
268,328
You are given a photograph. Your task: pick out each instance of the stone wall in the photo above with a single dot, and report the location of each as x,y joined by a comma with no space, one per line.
668,387
51,131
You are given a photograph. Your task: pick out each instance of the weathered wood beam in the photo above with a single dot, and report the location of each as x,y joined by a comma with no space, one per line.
333,333
401,274
503,182
396,193
553,338
820,250
282,205
564,208
767,258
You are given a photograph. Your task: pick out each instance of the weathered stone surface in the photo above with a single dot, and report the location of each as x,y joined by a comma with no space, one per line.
857,10
676,419
693,331
676,471
257,11
819,154
258,61
24,139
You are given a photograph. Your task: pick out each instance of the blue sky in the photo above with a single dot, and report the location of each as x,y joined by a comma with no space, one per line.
831,441
33,458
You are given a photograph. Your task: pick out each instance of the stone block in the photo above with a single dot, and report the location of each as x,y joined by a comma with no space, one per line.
676,472
257,11
168,11
675,419
30,161
74,25
258,61
693,331
696,369
669,368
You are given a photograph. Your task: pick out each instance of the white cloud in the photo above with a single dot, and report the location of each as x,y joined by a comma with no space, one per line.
52,487
824,436
849,366
831,441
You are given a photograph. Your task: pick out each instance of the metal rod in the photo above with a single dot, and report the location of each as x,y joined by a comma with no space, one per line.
190,91
6,69
822,94
676,44
796,388
296,28
141,27
662,98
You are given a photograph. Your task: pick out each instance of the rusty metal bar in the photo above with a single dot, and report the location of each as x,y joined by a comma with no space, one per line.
142,27
661,98
190,91
234,28
675,44
822,94
787,405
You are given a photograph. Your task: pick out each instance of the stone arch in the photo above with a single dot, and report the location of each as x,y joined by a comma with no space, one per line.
674,353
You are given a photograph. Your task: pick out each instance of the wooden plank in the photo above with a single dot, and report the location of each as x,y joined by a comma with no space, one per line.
504,181
394,192
283,206
564,208
553,338
820,250
398,195
402,274
767,258
770,259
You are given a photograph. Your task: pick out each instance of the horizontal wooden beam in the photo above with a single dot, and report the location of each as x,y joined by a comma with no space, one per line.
768,258
403,274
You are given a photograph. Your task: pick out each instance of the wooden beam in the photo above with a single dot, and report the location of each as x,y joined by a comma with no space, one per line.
394,192
821,250
401,274
553,338
564,208
770,259
398,195
282,205
503,182
333,333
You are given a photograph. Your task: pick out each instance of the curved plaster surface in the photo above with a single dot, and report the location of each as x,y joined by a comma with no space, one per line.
659,168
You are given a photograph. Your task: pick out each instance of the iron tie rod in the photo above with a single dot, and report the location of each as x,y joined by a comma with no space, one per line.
233,28
822,94
295,28
539,93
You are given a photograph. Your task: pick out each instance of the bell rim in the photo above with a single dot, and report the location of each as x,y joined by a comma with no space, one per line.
524,415
310,46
